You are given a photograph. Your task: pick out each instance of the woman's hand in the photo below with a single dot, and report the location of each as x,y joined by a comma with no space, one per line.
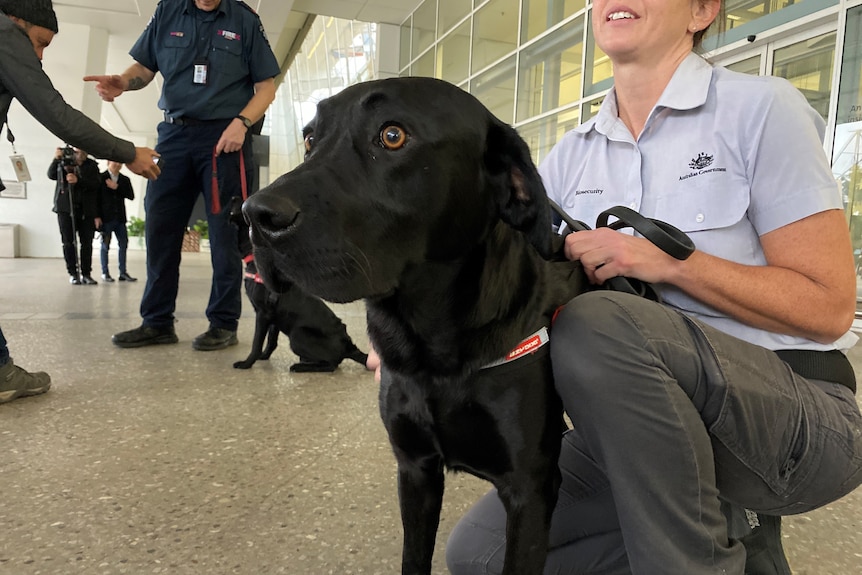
605,253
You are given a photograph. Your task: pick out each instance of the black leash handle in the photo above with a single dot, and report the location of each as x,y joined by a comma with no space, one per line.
668,238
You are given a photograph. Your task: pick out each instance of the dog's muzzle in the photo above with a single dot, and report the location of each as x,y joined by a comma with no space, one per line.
272,218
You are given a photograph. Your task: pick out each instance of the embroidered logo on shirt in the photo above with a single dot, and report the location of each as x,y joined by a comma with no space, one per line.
702,161
177,34
701,164
597,192
228,35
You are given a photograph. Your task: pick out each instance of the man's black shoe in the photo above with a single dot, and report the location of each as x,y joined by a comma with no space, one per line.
214,338
144,335
74,280
107,278
88,281
124,277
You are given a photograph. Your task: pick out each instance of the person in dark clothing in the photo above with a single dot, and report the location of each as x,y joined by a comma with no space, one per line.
26,29
114,190
219,78
76,203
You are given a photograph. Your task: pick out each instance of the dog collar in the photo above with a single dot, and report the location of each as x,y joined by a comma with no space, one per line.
529,345
255,277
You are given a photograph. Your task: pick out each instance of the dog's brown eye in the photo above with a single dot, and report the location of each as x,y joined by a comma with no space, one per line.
393,137
309,142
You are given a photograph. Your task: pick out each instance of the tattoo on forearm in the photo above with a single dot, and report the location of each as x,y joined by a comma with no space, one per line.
136,83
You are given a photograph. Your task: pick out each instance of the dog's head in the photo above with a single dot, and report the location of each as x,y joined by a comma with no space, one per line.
397,172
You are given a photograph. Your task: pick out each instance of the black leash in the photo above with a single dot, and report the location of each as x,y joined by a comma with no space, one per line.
668,238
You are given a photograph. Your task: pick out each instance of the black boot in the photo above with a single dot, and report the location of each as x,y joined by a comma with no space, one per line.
764,553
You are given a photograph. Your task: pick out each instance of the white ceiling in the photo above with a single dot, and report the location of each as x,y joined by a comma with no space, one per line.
125,19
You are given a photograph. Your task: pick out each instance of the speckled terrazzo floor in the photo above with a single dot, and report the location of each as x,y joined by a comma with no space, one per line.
165,460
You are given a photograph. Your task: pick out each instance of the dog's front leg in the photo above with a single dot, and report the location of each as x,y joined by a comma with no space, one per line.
404,410
529,501
271,341
420,493
261,323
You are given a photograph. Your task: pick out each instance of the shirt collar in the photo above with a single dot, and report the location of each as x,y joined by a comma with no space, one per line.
687,89
190,7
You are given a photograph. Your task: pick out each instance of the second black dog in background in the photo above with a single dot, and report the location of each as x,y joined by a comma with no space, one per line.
316,334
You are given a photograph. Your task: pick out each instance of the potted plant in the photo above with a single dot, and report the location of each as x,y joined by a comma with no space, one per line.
135,229
202,228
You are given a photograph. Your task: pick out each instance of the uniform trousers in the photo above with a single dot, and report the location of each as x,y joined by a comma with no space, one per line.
671,418
186,173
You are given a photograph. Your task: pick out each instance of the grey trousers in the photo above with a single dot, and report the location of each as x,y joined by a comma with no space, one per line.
672,417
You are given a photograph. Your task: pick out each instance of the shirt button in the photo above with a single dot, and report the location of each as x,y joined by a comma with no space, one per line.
699,218
633,205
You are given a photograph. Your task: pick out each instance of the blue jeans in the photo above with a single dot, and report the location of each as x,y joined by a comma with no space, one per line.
186,173
672,417
117,228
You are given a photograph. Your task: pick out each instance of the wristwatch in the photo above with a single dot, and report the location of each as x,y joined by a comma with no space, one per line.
245,122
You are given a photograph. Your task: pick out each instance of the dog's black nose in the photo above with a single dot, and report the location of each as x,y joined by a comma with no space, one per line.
270,216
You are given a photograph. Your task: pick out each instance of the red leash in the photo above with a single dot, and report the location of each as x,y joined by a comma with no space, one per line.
216,199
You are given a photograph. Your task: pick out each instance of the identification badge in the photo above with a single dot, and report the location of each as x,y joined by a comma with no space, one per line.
20,165
201,68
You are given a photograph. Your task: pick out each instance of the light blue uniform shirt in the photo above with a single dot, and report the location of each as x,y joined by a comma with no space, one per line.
725,157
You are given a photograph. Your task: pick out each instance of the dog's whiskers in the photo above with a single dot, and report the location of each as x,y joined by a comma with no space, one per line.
365,269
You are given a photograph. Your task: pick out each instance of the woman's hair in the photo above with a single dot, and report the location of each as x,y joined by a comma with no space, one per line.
719,24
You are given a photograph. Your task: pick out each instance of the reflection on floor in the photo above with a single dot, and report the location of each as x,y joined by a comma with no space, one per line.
166,460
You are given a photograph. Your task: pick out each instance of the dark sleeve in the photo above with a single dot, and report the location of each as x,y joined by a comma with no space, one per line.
52,169
144,49
90,175
89,184
125,188
263,64
22,75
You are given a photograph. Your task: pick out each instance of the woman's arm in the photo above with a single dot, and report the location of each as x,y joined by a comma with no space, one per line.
807,288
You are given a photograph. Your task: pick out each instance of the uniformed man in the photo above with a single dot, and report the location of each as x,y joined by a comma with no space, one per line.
219,72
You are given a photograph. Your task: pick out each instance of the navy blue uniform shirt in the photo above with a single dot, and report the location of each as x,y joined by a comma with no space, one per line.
231,41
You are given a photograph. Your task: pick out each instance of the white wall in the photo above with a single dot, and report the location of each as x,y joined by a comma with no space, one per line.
73,54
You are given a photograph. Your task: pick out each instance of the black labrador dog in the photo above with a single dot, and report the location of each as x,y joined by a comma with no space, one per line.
416,198
315,333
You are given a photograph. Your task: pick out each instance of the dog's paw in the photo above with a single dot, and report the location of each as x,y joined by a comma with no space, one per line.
313,367
243,364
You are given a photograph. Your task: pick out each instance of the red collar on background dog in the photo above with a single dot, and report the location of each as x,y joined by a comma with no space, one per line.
255,277
252,276
529,345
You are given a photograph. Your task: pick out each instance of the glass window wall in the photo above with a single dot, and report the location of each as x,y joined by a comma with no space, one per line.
741,12
334,54
424,26
847,147
541,135
495,32
549,74
808,66
747,66
451,12
540,15
453,54
404,48
495,87
599,68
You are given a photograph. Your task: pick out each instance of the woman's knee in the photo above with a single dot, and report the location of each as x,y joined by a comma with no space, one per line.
590,330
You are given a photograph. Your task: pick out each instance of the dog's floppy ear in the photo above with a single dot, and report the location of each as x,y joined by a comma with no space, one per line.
519,193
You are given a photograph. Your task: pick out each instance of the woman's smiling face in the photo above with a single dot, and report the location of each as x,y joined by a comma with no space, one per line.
629,29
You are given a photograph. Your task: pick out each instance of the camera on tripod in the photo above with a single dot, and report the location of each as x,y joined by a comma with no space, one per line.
69,159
